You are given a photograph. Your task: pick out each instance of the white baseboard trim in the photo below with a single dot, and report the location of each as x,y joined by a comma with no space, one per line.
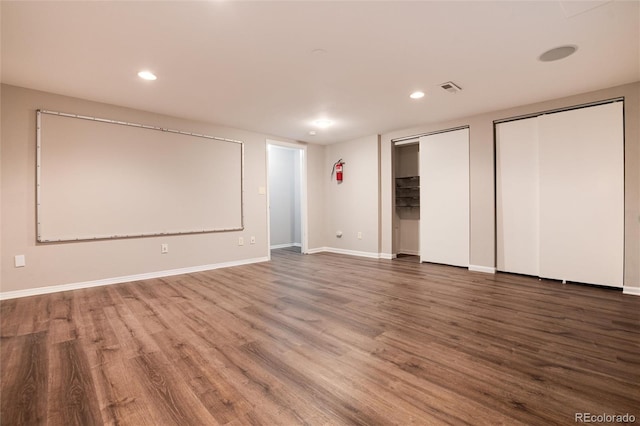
117,280
285,245
387,256
409,252
315,250
634,291
368,254
485,269
353,252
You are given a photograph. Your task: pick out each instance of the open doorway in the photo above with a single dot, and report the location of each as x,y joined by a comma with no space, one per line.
407,200
286,196
431,196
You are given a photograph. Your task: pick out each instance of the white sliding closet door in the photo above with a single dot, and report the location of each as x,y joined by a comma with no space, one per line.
560,195
517,209
444,198
582,195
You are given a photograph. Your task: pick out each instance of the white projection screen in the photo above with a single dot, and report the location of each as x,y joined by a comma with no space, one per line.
99,179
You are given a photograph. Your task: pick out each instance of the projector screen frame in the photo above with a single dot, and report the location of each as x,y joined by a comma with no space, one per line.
41,239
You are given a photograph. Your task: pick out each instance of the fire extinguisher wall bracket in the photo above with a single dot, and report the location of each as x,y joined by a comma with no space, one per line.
337,169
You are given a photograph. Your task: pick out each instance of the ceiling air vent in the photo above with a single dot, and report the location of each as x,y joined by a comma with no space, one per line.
451,87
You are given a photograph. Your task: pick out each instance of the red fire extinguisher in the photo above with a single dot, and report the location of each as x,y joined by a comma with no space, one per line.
337,169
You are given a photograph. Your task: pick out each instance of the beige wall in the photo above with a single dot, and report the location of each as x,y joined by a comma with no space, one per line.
316,179
353,205
68,263
362,203
482,244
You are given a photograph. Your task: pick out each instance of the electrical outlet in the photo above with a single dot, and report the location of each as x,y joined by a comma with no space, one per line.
164,248
359,235
240,241
253,239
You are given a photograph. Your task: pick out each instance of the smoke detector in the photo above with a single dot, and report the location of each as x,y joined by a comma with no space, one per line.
451,87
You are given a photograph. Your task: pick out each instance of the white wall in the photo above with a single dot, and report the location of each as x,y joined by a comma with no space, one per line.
353,205
317,177
284,196
69,263
297,205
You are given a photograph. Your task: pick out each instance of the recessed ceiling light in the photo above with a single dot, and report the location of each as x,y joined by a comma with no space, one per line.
312,132
557,53
417,95
147,75
322,123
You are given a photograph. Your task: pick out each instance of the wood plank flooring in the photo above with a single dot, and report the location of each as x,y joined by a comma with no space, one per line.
321,339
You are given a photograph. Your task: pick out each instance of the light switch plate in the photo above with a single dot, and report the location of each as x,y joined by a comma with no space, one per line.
20,261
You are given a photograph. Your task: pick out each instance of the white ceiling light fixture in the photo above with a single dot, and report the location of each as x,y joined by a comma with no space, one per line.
417,95
323,123
312,132
147,75
557,53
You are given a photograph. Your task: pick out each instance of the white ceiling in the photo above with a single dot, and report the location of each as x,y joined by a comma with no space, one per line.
251,65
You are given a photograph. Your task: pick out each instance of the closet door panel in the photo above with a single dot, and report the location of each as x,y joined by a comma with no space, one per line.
517,196
444,198
582,195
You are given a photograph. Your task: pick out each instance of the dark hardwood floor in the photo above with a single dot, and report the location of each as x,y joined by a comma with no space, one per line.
321,339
